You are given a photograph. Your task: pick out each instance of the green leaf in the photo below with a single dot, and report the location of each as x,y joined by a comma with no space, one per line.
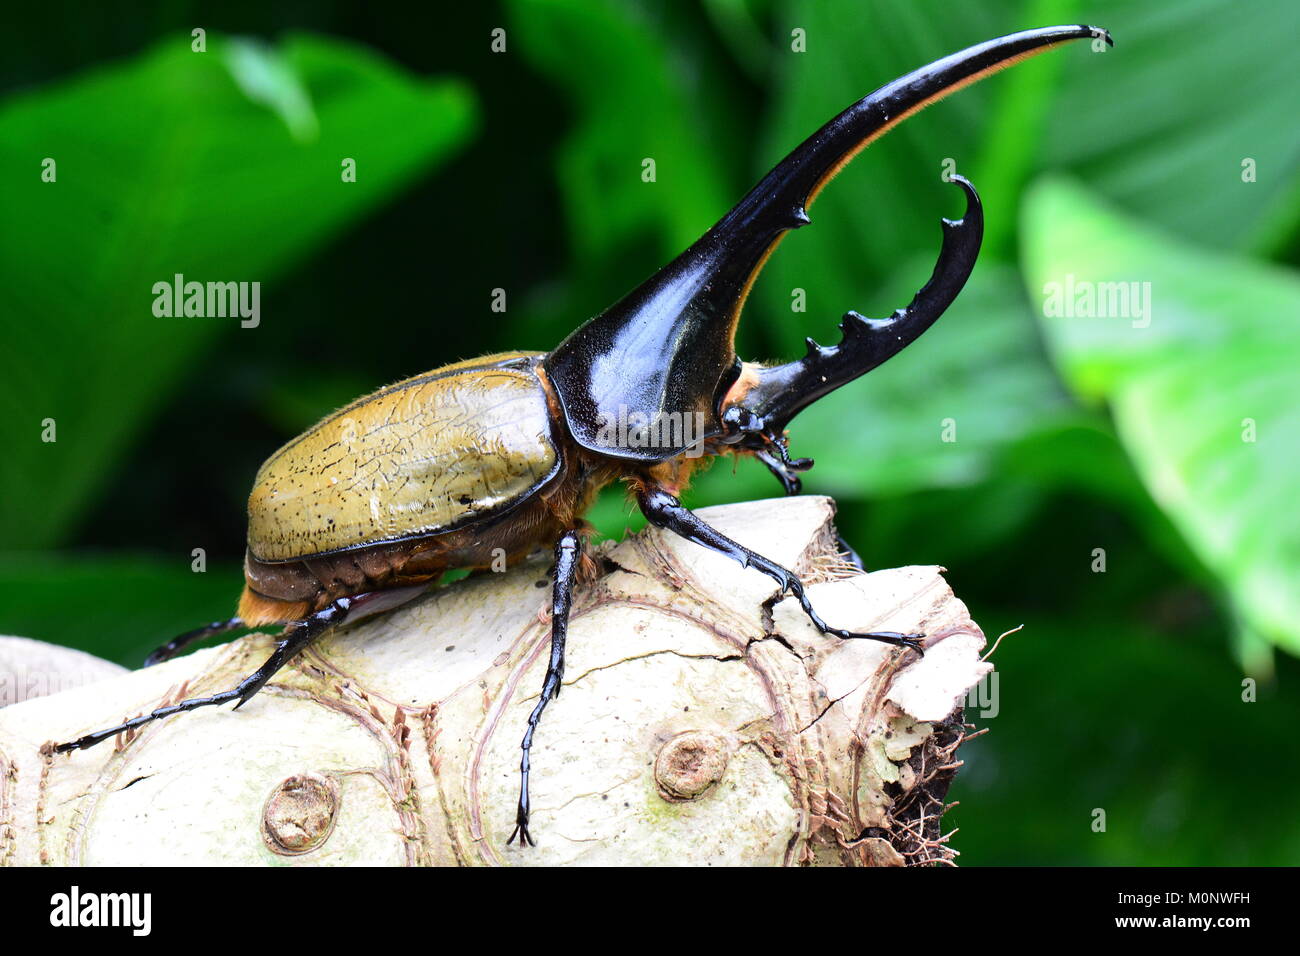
1162,124
1200,374
632,106
221,166
266,77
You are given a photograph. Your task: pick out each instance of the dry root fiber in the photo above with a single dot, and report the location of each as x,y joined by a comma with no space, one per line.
703,720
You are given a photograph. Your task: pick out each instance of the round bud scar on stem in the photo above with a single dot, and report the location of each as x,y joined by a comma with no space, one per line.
299,814
690,764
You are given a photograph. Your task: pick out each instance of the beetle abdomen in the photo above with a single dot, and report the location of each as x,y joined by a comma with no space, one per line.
424,456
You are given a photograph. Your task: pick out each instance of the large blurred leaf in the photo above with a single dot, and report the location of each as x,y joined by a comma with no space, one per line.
221,166
1215,367
1162,124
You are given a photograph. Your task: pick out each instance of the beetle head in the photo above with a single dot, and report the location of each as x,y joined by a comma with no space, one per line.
656,373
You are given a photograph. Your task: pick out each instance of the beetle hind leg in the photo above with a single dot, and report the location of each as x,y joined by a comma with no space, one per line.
299,634
665,511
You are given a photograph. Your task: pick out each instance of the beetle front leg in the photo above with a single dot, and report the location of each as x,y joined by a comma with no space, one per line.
568,553
783,469
665,511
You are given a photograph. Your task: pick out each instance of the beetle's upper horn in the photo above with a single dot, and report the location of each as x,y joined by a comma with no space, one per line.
667,346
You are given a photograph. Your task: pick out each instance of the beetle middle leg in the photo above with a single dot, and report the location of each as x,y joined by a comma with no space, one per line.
182,641
568,555
665,511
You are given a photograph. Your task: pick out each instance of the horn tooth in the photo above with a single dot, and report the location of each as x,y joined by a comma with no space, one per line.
800,217
854,325
813,347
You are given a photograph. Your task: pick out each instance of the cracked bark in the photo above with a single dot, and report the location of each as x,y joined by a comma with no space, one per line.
702,720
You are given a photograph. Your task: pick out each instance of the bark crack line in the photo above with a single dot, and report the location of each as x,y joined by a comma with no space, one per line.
133,782
724,658
594,793
779,639
825,710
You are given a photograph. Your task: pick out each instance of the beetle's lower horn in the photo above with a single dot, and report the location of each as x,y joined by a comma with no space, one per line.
781,392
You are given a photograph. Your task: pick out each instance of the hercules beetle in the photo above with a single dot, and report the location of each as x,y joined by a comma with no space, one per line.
504,454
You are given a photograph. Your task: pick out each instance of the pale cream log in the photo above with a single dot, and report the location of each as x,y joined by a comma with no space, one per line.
31,669
703,720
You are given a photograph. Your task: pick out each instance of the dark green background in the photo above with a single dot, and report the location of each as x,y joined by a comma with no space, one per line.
522,171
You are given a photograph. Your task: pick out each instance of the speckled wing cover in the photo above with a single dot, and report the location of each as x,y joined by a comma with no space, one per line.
421,457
